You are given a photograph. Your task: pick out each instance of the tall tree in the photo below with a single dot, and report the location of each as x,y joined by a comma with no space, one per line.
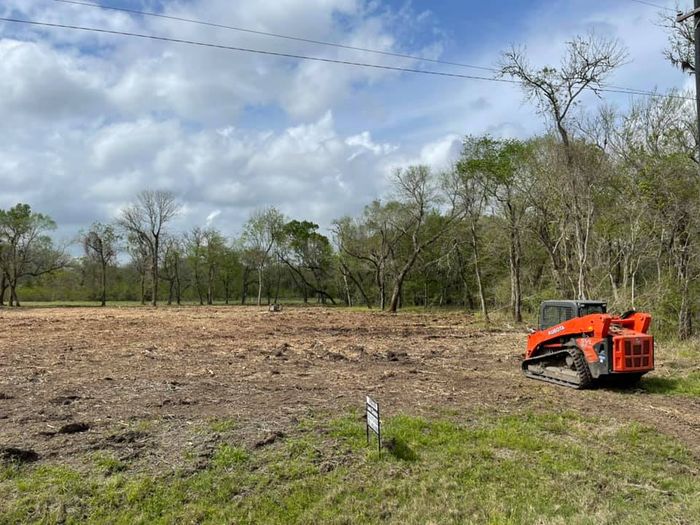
470,188
230,270
171,271
27,250
588,61
680,49
146,219
309,257
195,246
214,254
417,192
260,234
100,247
140,261
503,164
653,142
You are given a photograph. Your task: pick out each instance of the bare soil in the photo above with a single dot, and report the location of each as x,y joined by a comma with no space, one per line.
154,386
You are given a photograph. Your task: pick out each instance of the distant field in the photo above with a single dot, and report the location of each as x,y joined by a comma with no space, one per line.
239,415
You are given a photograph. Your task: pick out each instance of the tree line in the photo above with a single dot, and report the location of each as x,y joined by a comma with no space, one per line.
602,206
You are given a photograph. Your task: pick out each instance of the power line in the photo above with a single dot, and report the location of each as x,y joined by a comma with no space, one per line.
613,89
257,51
643,2
275,35
610,89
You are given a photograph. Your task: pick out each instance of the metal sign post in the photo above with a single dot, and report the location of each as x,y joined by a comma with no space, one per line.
374,423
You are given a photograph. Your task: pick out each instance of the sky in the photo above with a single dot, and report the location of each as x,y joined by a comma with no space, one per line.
88,120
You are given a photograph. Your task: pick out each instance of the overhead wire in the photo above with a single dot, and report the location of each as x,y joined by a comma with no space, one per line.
651,4
614,89
274,35
54,25
252,50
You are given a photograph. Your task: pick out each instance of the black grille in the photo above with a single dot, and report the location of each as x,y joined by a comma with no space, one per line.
637,354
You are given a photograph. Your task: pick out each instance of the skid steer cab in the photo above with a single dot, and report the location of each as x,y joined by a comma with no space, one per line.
578,344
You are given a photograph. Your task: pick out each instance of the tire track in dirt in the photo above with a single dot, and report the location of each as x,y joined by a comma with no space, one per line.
145,379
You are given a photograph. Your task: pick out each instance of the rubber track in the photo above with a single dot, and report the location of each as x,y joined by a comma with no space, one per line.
584,373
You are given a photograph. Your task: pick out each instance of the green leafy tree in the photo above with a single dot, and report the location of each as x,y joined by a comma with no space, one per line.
26,249
309,257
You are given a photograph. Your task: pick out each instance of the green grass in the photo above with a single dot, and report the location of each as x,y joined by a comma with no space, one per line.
222,425
546,468
688,385
678,373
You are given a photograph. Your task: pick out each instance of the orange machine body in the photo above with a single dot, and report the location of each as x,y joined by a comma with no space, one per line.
610,345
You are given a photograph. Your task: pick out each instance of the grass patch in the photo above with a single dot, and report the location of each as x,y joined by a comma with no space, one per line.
222,425
228,456
108,463
688,385
534,468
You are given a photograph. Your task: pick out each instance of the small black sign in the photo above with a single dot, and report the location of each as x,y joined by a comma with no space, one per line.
374,423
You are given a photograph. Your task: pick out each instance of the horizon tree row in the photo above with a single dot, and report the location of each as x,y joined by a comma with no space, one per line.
603,206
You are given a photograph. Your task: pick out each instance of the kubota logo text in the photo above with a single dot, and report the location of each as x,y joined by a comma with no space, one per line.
555,330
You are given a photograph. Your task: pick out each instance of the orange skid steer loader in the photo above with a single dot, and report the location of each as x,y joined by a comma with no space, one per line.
578,345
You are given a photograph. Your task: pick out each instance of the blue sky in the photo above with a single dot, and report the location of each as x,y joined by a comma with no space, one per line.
90,120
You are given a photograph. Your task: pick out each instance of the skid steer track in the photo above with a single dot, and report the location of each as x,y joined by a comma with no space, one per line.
565,367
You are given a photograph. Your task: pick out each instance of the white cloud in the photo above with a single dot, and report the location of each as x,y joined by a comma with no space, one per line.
89,120
212,217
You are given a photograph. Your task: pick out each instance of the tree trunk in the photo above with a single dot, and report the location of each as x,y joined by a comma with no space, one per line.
104,284
685,312
198,284
515,272
347,290
260,281
477,272
154,273
357,283
13,295
685,315
244,285
3,287
381,283
143,288
277,287
178,290
398,284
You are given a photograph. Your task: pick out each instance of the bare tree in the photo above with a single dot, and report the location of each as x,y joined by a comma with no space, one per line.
171,271
417,191
680,50
260,234
587,63
371,240
470,189
195,245
146,219
100,246
654,143
140,260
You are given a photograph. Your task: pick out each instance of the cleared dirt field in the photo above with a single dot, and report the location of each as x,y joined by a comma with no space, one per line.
140,382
